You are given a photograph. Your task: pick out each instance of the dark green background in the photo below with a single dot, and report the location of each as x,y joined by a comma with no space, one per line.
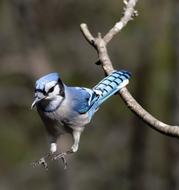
117,150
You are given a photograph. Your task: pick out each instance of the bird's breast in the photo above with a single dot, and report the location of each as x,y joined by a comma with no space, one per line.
63,120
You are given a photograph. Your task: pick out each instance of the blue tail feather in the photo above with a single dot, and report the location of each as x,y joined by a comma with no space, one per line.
109,86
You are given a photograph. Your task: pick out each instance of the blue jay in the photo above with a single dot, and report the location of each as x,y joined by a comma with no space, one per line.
66,109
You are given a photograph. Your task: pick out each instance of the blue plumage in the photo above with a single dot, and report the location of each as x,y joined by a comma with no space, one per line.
65,109
103,90
110,85
40,84
80,99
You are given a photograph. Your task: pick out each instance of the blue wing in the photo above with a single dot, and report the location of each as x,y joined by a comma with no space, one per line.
82,99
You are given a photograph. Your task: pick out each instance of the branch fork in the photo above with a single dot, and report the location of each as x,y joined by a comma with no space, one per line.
100,43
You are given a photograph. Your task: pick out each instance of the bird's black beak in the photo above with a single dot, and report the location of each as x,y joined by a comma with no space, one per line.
34,103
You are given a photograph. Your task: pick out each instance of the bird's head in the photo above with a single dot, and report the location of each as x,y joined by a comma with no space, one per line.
48,88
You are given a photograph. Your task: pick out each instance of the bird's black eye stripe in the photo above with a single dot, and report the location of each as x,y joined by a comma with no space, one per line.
51,89
62,88
41,91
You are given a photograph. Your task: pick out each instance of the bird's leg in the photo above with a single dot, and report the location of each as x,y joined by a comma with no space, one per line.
53,150
42,161
76,138
51,155
53,147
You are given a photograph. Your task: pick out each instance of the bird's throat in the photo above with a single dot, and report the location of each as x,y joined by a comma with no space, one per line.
50,105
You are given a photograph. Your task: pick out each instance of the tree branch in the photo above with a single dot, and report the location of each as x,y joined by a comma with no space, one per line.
99,44
129,12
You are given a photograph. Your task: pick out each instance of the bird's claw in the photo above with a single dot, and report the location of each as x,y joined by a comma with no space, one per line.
61,156
42,161
39,162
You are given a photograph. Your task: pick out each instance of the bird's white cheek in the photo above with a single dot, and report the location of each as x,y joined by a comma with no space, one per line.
56,89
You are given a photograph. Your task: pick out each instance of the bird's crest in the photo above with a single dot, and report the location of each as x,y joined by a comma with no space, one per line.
40,83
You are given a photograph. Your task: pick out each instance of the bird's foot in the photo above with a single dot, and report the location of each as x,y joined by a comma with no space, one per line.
52,156
42,162
60,156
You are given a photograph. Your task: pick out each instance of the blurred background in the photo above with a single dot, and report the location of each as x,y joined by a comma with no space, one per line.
117,150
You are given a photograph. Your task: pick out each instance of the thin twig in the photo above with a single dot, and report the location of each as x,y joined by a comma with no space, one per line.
87,34
99,44
129,12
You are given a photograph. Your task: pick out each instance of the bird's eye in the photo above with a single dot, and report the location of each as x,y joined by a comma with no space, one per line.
51,89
